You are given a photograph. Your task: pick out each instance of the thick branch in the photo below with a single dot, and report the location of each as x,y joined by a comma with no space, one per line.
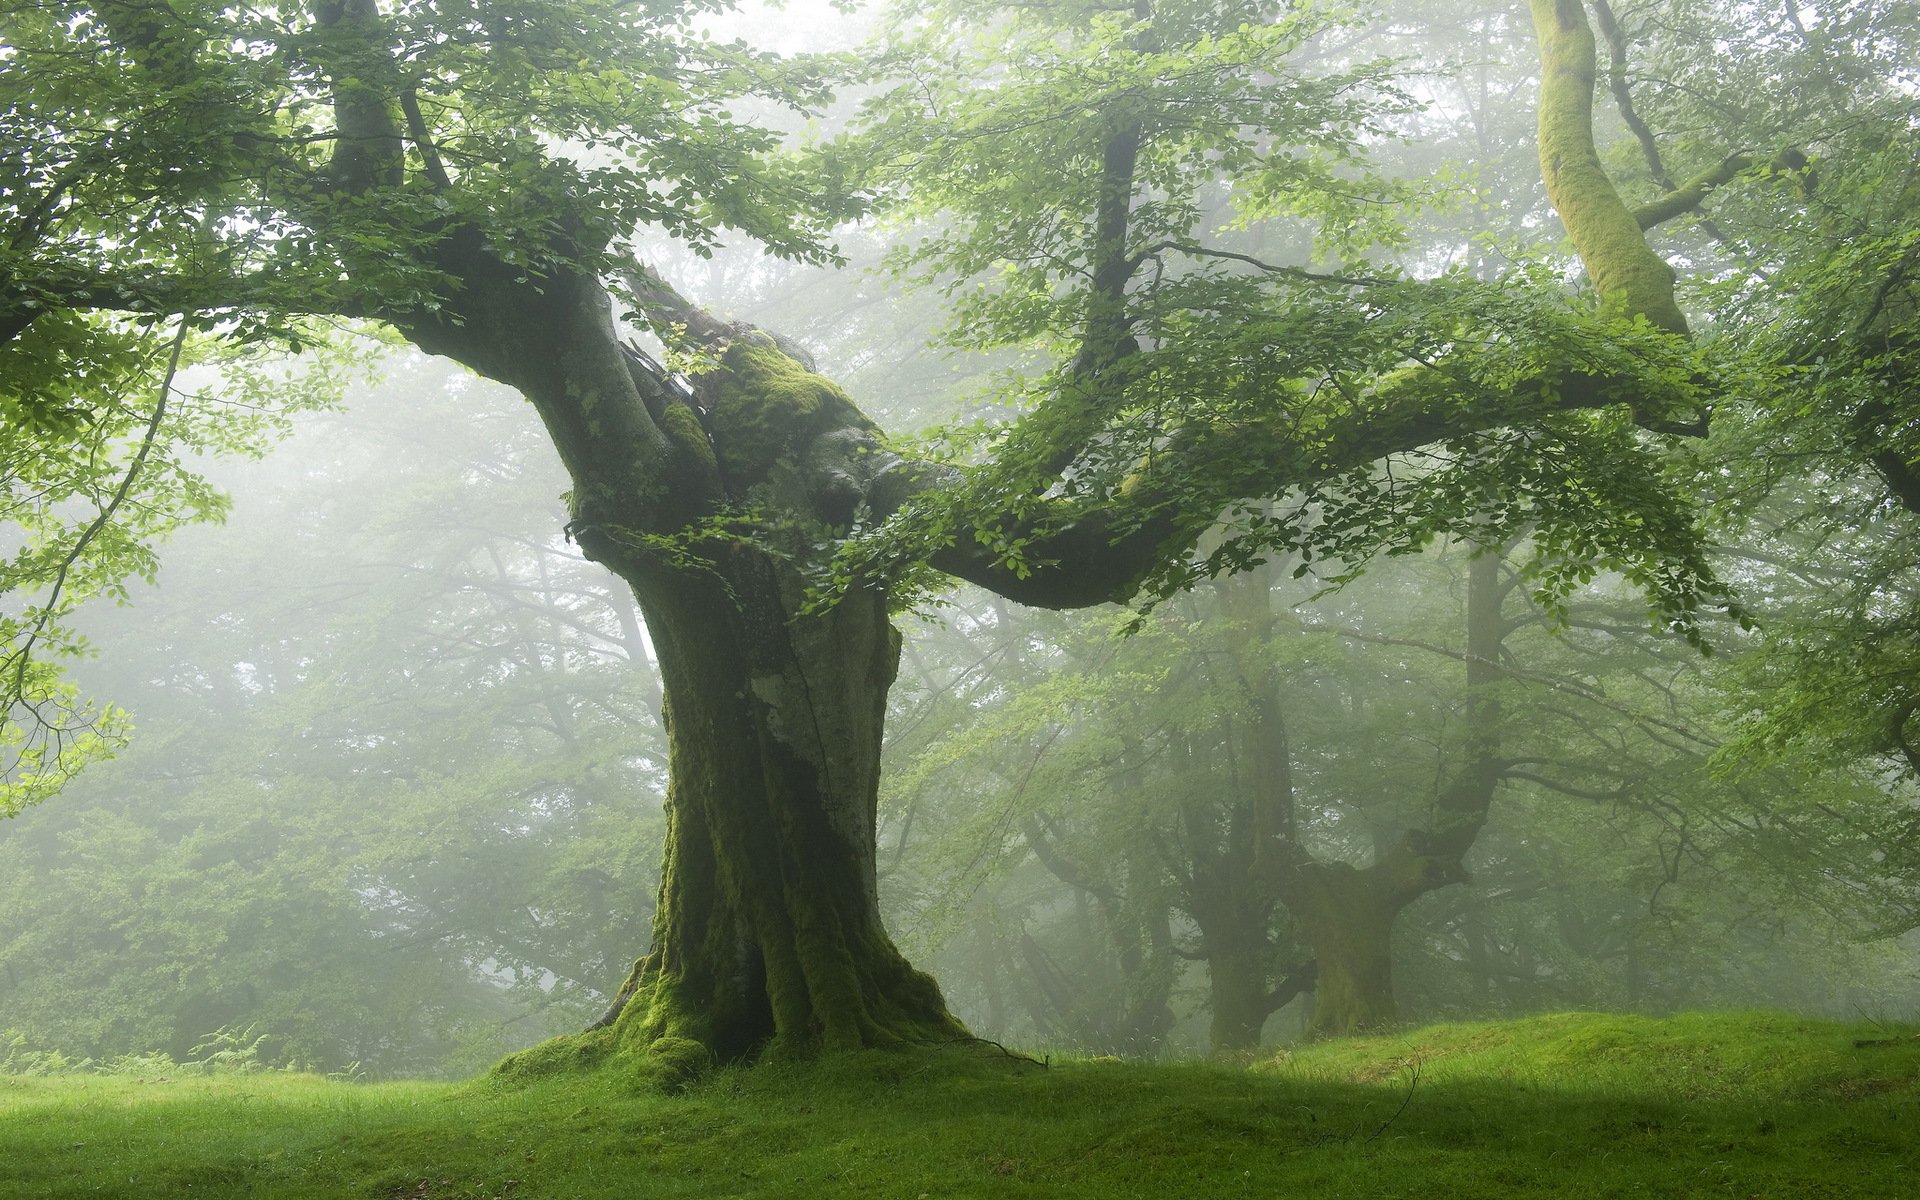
1093,560
665,308
56,287
1464,802
1082,554
369,151
1632,281
1106,333
1300,978
1691,194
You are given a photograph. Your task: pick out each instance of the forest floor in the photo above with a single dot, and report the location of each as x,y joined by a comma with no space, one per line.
1574,1105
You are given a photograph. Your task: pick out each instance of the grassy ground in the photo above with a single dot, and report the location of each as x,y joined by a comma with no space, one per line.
1579,1105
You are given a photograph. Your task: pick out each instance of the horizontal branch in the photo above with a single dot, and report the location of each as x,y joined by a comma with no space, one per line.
1193,250
1079,553
155,293
1691,194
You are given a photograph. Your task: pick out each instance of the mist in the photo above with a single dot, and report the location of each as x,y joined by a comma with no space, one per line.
1599,708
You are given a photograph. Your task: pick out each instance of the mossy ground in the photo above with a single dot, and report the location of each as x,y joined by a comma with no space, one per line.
1744,1105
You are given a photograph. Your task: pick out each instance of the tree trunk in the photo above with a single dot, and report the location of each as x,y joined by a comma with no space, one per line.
1232,895
1346,916
1238,991
768,937
769,932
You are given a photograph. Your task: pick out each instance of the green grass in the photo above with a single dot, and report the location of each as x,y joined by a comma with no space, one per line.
1577,1105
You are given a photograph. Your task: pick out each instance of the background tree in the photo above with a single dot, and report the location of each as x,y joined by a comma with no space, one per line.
396,798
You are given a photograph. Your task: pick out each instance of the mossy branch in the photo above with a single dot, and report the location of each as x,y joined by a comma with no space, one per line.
1075,554
368,149
1690,195
1632,281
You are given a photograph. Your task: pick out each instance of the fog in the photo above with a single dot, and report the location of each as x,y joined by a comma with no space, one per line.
395,788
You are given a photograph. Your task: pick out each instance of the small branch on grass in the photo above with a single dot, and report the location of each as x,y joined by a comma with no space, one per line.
1413,1084
1043,1064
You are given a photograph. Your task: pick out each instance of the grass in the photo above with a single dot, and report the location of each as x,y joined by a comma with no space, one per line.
1574,1105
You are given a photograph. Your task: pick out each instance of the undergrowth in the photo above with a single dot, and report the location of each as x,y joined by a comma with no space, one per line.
1574,1105
227,1050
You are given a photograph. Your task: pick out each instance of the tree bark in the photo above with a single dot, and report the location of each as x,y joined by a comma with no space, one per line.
1238,988
1346,917
769,933
1632,281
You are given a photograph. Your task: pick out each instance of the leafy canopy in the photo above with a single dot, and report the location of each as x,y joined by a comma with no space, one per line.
1175,212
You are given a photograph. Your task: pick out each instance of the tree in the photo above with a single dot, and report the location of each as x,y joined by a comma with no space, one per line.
1285,776
468,178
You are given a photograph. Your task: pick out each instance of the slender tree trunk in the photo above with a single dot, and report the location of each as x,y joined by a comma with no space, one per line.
1346,913
1233,897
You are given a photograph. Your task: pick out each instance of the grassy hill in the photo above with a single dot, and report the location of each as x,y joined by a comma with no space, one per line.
1572,1105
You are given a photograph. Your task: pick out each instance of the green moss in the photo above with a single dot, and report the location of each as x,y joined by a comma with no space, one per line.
769,407
569,1054
683,430
674,1064
1631,280
1578,1105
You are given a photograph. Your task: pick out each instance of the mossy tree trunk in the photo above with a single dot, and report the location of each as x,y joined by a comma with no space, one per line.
1239,987
1346,915
769,930
710,505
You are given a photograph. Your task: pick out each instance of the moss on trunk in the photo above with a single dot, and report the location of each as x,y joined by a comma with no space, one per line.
768,937
769,930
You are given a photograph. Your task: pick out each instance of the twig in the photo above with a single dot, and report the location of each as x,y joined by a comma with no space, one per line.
1013,1054
22,657
1413,1072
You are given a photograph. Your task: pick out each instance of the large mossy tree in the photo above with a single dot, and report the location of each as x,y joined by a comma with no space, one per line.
468,175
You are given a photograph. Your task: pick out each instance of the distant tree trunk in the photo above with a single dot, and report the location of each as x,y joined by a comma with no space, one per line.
1239,990
1231,894
1346,913
1133,1013
1346,917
